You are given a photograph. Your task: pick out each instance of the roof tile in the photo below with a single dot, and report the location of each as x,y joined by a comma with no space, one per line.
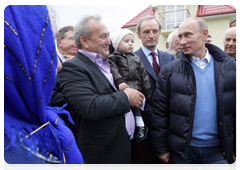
209,10
133,22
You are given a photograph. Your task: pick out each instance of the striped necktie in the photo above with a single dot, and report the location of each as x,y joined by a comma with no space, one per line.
156,67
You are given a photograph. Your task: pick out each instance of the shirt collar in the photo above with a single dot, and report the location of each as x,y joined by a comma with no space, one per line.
62,58
96,59
147,51
206,57
90,55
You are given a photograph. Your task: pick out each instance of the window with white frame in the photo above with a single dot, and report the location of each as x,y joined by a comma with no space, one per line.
175,15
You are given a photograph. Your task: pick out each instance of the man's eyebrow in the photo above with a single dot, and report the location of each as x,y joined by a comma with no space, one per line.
103,34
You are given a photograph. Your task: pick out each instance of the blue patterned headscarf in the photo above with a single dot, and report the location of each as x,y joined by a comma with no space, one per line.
30,63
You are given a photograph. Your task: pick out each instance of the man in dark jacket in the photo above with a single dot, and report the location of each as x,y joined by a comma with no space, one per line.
194,117
103,121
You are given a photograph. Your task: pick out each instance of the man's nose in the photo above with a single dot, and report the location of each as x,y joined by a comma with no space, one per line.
230,42
108,41
151,34
182,41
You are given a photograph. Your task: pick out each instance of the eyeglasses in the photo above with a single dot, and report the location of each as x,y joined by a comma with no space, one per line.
70,38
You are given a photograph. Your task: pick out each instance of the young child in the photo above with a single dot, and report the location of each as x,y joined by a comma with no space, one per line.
128,71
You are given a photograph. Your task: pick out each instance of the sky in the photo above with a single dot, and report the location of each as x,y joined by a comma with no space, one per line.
113,16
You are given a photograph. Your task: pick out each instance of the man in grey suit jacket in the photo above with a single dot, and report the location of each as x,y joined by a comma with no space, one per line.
104,123
149,30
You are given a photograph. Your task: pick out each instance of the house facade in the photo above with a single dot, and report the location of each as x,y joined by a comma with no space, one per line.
218,18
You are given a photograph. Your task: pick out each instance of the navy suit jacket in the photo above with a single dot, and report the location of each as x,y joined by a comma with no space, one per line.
163,59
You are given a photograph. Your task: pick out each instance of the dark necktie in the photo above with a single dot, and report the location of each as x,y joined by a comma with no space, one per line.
156,67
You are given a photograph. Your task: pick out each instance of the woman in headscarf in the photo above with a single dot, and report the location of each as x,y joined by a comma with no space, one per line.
33,131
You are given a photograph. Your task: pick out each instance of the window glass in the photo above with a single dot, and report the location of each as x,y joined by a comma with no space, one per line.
175,14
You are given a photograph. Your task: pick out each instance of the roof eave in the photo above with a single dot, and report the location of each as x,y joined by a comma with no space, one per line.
208,17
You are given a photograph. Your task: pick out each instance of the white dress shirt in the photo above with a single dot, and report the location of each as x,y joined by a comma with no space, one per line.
202,63
148,54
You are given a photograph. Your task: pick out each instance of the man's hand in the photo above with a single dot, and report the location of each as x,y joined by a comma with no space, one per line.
235,156
165,157
135,97
122,86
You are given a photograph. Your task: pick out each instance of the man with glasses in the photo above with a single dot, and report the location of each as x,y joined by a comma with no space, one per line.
67,47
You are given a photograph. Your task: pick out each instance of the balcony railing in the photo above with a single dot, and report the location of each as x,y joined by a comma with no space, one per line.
173,19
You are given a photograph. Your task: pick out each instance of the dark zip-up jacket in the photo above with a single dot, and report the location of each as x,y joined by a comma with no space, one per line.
174,104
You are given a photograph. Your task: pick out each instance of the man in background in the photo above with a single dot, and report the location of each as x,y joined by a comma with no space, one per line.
172,44
67,47
149,30
231,48
209,39
229,42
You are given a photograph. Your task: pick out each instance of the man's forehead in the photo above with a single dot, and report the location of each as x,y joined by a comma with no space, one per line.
145,23
187,26
231,30
69,32
98,29
188,22
231,34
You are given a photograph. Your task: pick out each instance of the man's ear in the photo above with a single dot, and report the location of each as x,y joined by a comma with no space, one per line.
205,33
139,36
59,42
167,45
84,42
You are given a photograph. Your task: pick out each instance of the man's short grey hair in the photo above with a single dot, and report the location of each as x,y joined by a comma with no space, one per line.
226,32
82,28
170,38
147,18
63,30
201,24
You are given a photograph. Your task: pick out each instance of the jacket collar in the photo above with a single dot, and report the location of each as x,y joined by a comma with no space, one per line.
215,51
